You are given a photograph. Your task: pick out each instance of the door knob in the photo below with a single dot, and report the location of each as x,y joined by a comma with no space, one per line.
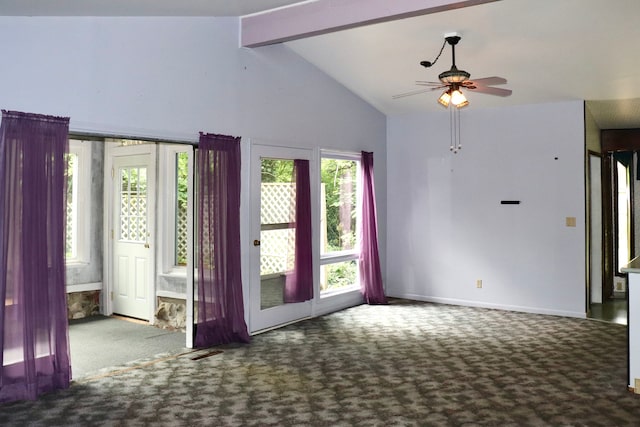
256,243
146,245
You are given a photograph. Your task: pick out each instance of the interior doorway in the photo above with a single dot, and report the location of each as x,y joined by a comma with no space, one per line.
141,239
611,232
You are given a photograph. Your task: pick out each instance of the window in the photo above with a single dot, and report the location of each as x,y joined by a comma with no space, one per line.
339,222
181,178
173,191
78,206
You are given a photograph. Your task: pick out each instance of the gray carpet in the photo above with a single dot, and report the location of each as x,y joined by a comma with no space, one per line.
405,364
99,343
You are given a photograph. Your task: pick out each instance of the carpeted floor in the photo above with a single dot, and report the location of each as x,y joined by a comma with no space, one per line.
405,364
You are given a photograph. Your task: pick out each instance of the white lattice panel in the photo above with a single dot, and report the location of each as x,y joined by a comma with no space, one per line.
277,200
69,226
276,251
133,204
276,246
181,235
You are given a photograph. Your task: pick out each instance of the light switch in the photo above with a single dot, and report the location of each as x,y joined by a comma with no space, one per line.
571,221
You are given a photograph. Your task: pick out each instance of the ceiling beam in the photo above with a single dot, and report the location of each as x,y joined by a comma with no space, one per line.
317,17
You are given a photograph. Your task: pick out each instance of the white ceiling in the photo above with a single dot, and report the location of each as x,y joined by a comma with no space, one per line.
548,50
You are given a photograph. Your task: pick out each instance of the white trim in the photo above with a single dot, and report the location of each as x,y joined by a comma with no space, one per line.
259,319
338,302
340,291
107,183
191,298
340,155
338,256
167,205
480,304
84,287
170,294
281,325
82,201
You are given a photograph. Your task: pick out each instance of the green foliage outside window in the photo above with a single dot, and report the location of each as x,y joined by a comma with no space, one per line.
276,170
339,179
340,185
182,160
340,274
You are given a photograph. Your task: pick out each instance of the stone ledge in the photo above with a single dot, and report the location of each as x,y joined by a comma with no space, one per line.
83,304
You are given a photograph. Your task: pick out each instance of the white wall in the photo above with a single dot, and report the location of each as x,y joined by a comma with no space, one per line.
170,78
446,227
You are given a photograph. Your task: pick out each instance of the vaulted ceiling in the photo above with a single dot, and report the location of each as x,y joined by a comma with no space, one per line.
548,50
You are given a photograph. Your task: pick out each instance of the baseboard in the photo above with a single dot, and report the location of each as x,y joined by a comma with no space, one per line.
480,304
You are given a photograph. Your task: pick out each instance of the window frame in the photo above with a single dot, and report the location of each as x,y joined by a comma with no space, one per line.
82,185
346,255
167,215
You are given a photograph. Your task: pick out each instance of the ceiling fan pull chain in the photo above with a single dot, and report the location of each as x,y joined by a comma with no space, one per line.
459,144
454,129
452,147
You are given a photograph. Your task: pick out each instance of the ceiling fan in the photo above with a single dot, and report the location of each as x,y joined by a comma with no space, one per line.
453,80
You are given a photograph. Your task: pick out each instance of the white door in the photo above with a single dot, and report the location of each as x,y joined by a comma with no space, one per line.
273,238
132,228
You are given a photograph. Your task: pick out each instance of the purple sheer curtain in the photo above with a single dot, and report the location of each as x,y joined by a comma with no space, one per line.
34,339
370,273
299,282
220,301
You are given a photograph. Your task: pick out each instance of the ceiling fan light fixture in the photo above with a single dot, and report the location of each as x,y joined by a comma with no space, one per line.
445,98
458,99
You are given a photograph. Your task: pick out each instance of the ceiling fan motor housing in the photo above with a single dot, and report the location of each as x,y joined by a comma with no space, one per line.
453,75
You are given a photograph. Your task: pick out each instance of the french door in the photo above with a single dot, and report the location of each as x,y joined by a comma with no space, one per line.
273,236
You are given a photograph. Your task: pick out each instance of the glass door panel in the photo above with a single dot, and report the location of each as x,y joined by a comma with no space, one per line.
273,208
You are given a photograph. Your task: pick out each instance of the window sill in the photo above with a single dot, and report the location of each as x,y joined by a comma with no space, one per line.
176,272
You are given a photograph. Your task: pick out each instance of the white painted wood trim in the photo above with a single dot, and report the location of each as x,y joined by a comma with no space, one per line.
325,16
84,287
468,303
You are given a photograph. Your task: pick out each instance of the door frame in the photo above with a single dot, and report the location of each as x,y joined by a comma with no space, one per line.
595,231
263,320
166,203
112,149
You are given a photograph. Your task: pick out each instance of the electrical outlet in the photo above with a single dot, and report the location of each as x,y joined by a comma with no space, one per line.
479,283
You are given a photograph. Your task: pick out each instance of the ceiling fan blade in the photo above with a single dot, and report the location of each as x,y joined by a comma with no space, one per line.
486,81
413,92
426,83
491,90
